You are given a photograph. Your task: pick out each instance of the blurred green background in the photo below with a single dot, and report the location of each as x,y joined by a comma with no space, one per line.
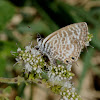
21,20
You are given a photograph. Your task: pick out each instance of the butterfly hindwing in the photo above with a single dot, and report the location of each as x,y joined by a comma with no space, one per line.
66,42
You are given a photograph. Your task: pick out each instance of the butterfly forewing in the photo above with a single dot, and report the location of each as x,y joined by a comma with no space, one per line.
67,42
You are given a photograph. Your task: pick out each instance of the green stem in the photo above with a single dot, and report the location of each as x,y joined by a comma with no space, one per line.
31,90
14,80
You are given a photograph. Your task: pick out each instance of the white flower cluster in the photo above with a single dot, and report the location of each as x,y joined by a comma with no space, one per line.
57,77
31,60
59,73
69,94
89,38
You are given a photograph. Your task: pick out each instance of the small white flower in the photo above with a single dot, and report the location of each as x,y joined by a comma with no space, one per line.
67,90
17,59
40,60
33,56
53,74
58,65
33,51
37,53
28,67
64,93
73,90
19,49
59,75
25,61
28,48
70,77
69,73
63,75
87,44
36,61
34,68
29,55
65,98
31,63
67,84
56,72
62,67
20,58
62,71
56,69
52,78
69,93
76,99
39,70
71,98
61,78
23,54
57,79
65,78
28,59
60,93
73,95
49,74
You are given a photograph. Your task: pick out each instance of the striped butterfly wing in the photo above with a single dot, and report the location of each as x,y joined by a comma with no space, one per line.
67,42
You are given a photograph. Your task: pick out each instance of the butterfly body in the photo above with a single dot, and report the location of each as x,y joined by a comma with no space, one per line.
66,43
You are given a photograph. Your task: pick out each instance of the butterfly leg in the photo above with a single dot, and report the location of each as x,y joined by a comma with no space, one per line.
52,61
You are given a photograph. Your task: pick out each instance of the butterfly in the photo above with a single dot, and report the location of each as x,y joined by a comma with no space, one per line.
65,44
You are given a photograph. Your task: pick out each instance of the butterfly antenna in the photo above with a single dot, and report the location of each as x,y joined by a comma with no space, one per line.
17,45
91,46
31,30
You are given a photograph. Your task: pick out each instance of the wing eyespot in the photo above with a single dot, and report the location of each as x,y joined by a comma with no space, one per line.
67,61
72,58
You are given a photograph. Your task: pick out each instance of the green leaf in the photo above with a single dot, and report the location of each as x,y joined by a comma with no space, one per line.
2,66
87,58
7,90
45,16
6,12
96,40
36,27
21,89
5,49
17,98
